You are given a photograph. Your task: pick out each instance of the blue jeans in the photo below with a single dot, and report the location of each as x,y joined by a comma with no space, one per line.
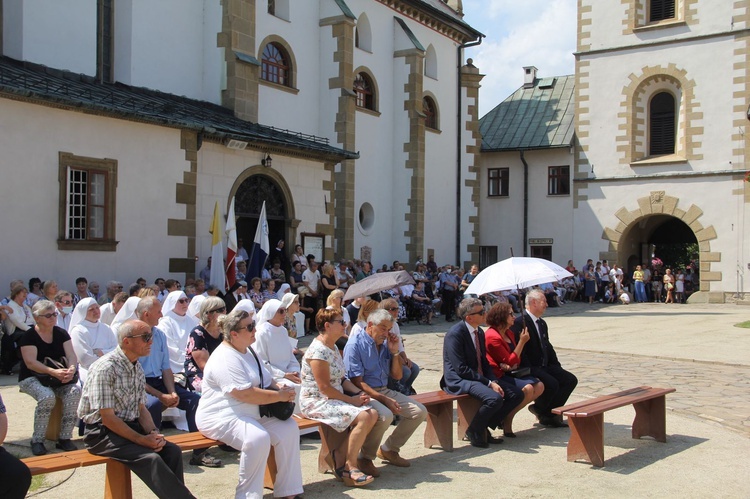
640,292
407,379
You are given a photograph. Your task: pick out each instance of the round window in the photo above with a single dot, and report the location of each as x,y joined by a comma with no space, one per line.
366,217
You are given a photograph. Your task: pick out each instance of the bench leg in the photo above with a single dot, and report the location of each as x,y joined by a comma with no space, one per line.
117,485
439,426
55,422
467,408
587,439
651,419
270,477
329,439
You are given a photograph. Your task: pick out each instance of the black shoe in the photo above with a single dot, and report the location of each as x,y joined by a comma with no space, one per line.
206,460
532,410
66,445
38,448
228,448
493,440
476,440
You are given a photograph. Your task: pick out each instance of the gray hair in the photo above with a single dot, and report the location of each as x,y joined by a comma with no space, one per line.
126,329
534,295
230,322
379,316
62,294
42,306
464,308
144,305
209,304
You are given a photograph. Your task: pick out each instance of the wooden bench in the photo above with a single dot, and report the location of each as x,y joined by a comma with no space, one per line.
586,420
439,405
118,485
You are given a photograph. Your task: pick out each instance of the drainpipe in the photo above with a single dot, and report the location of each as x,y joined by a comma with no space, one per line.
525,204
459,113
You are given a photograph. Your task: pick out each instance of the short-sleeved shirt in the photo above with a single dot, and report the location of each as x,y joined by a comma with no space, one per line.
200,339
113,382
158,360
54,350
362,358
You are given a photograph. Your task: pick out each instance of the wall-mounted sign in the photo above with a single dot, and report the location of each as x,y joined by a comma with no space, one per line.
541,241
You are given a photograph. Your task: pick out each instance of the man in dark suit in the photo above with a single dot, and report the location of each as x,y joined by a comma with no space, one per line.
539,355
466,370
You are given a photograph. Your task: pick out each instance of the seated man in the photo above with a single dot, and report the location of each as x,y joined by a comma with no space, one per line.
466,370
369,360
119,426
540,356
161,389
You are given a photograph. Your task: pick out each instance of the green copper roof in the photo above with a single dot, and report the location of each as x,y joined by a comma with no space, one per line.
345,9
538,117
409,33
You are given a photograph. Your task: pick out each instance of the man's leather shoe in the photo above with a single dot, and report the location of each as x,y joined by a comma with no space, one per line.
557,422
367,467
493,440
532,410
393,458
477,440
38,448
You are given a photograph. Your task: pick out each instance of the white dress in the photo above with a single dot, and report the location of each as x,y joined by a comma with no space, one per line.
88,336
222,417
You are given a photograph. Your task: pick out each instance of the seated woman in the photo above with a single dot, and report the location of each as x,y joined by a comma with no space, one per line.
18,319
422,303
273,347
504,355
176,324
325,398
42,341
255,294
334,303
410,369
203,340
90,337
234,385
270,292
15,477
290,302
395,293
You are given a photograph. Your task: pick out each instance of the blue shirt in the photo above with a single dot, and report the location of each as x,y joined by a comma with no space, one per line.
362,358
158,359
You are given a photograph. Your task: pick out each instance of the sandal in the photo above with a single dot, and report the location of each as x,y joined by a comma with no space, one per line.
355,478
330,460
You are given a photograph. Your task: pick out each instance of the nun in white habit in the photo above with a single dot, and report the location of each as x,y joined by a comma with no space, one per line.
176,324
248,306
126,313
194,309
273,347
90,336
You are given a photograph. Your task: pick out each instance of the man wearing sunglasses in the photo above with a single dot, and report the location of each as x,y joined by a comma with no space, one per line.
118,425
466,370
162,391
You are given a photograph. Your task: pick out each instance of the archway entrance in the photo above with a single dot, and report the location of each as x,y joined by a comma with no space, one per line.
249,198
664,237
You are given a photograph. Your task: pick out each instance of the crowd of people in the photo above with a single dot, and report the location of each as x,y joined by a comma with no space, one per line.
117,360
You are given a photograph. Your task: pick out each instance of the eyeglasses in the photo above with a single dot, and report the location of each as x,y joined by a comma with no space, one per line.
249,327
183,300
281,311
146,337
392,309
338,321
48,316
66,302
222,309
480,312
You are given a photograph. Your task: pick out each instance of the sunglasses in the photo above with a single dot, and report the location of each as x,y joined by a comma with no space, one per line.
183,300
281,311
146,337
392,309
49,316
249,327
338,321
481,312
222,309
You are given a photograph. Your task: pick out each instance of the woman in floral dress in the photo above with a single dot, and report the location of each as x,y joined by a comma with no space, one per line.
324,398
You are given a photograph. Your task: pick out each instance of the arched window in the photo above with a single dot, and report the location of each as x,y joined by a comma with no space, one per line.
430,62
365,91
662,124
276,66
363,33
430,112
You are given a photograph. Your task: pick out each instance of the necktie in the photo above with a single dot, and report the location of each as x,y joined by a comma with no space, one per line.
541,326
479,352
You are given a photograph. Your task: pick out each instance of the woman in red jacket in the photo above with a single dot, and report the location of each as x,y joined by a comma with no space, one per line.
504,355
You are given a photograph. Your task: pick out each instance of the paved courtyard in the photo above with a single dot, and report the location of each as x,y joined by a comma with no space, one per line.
693,348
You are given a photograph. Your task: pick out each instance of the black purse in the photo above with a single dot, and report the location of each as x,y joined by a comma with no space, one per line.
50,381
279,410
521,372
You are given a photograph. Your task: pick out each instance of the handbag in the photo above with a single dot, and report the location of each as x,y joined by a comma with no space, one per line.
279,410
50,381
519,373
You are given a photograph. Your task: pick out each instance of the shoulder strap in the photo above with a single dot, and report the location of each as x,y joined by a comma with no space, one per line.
260,369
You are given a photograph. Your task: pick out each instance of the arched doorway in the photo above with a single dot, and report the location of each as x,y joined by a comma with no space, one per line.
251,189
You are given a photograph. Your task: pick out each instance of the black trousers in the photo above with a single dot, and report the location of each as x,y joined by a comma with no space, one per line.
558,385
494,406
15,477
9,351
160,471
448,303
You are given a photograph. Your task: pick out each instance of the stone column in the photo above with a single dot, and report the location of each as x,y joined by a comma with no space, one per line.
237,37
470,79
